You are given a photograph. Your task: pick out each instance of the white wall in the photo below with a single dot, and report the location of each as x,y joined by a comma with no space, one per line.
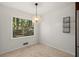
7,43
51,29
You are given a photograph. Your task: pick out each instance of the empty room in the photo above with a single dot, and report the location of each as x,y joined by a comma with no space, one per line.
37,29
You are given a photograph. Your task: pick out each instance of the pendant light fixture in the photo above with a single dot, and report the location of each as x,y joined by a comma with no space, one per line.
36,17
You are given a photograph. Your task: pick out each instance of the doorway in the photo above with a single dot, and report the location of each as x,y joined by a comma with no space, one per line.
77,30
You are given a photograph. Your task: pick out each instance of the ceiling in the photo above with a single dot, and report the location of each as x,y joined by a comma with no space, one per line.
43,7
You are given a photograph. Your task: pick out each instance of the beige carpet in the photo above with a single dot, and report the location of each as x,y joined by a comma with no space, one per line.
38,50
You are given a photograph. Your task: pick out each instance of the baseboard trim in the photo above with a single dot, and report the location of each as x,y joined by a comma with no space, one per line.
17,48
57,48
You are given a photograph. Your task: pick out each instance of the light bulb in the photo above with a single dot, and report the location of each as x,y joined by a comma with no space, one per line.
35,19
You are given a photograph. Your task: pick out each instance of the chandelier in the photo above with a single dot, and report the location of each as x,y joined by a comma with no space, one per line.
36,17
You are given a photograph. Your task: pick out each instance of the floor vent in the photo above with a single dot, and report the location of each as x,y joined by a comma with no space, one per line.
26,43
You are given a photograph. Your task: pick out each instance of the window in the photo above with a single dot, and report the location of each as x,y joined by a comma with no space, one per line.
22,27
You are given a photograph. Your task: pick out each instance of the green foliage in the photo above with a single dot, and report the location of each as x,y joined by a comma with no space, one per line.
22,27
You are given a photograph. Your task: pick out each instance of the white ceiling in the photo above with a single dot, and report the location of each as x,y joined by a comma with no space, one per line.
43,7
